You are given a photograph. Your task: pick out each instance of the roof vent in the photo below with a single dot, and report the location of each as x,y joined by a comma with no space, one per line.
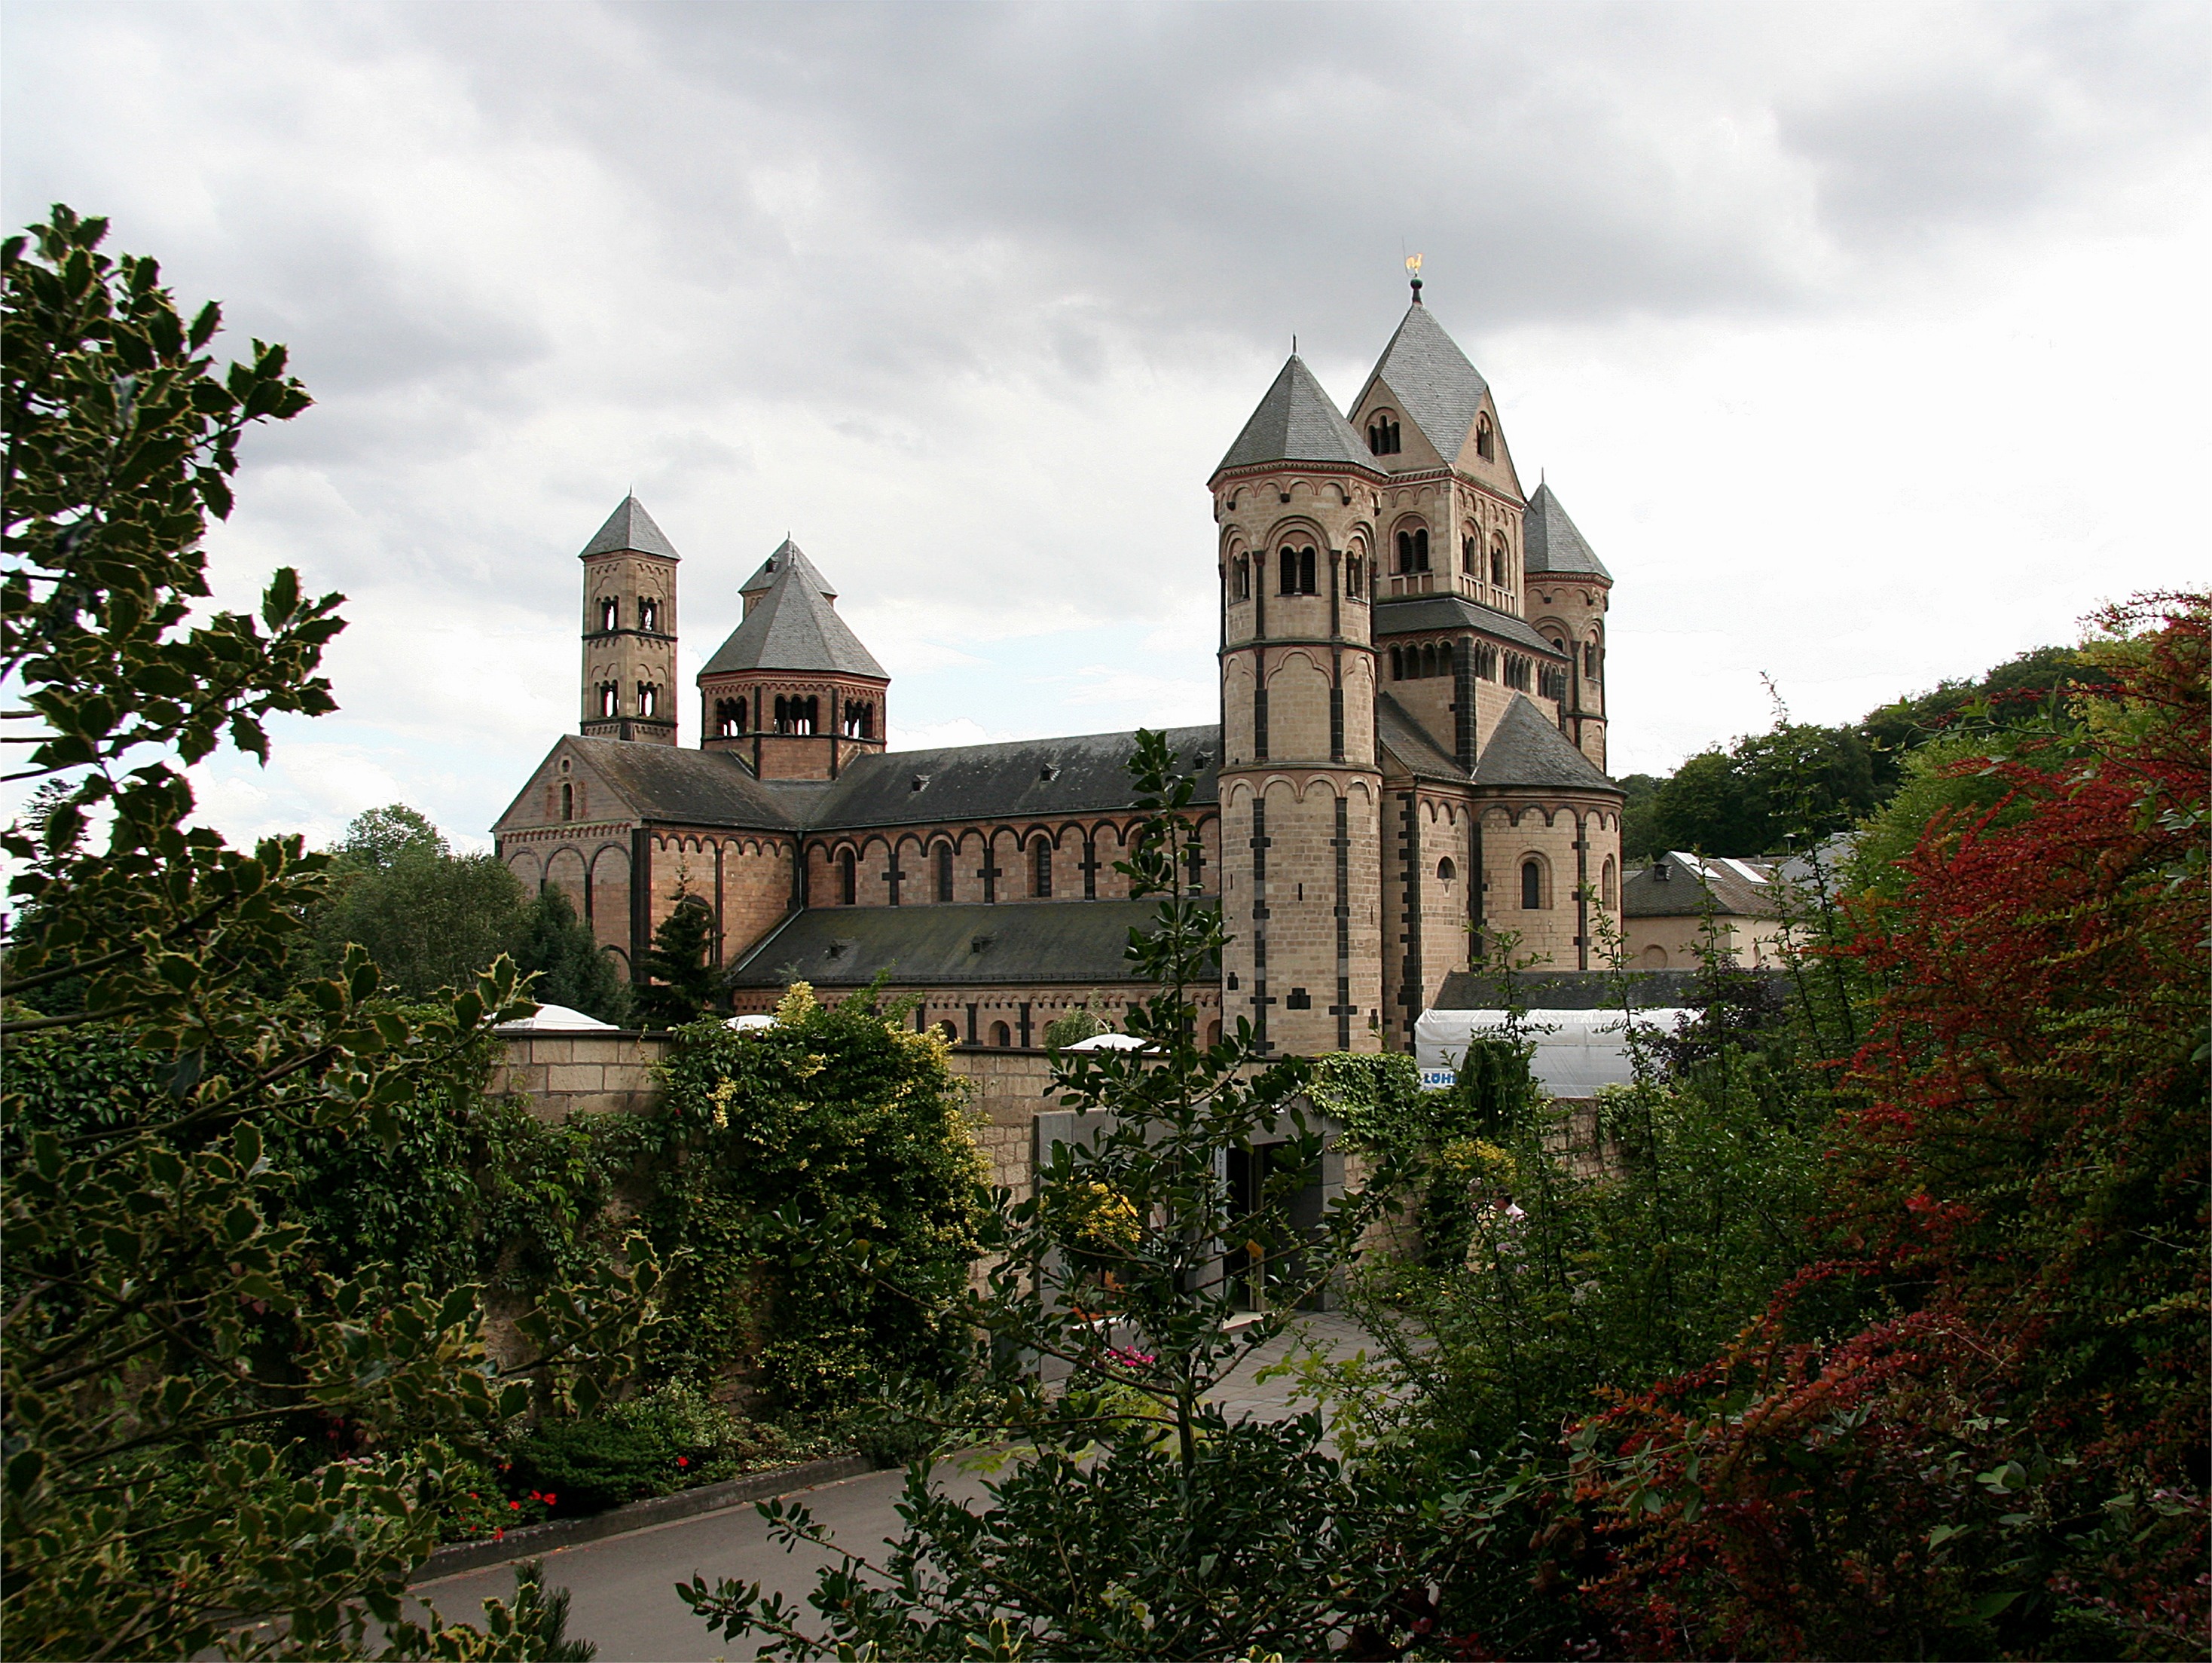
838,949
1049,771
981,943
920,780
1202,761
1659,872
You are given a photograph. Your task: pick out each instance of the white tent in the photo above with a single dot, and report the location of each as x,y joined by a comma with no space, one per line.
1576,1050
750,1024
1110,1042
555,1018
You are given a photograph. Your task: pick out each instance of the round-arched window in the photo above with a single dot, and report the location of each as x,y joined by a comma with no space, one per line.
848,878
1532,886
1445,870
1001,1035
951,1034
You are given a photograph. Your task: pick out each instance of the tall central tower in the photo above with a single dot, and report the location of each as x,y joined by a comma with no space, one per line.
1296,501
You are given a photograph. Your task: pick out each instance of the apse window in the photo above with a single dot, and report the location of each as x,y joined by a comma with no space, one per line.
1532,886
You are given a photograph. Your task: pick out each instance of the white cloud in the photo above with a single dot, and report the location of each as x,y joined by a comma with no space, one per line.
1857,339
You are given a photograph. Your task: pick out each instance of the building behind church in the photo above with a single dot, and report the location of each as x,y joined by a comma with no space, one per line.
1409,761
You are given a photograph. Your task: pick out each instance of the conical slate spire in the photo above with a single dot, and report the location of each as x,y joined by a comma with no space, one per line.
1550,542
793,627
631,529
787,553
1431,380
1297,421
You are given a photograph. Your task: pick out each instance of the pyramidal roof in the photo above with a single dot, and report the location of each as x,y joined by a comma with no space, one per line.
629,529
787,553
1527,750
794,627
1550,542
1297,421
1432,380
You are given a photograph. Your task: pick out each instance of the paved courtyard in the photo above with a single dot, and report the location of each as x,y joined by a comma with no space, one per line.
621,1587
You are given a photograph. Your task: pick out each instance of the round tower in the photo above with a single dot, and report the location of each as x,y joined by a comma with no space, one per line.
629,630
1568,591
1295,500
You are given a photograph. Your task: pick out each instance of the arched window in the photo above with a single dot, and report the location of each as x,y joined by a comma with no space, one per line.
1498,560
1352,577
1001,1035
1604,890
782,714
1306,572
951,1034
1532,886
567,802
1420,551
1467,557
1590,658
1397,664
1486,439
610,613
1297,569
945,872
649,616
1383,436
1241,578
610,699
1041,869
848,879
1445,870
1213,1034
648,696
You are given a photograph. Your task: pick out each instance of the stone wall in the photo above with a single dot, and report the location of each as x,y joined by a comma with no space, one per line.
597,1071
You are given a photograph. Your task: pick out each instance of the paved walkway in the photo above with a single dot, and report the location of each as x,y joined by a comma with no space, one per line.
621,1588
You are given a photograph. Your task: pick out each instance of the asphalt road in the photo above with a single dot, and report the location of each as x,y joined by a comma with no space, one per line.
622,1587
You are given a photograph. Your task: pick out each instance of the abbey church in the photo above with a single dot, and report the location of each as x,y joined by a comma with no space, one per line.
1410,758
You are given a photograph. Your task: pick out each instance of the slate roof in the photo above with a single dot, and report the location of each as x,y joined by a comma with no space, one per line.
1089,773
787,552
1408,741
1527,750
1681,893
690,788
1431,380
1297,421
947,946
1456,611
1550,542
630,527
793,627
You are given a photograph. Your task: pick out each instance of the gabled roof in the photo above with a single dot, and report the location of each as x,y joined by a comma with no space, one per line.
1407,740
1297,421
1550,542
1088,773
630,528
1405,616
1527,750
1677,886
660,782
941,946
793,627
787,553
1431,380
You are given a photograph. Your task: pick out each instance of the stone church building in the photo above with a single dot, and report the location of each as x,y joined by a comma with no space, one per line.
1410,757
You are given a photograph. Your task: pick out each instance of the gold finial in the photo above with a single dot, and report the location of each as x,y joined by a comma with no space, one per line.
1414,271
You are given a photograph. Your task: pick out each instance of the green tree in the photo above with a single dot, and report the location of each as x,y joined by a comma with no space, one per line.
428,918
572,968
678,983
173,1366
1140,1520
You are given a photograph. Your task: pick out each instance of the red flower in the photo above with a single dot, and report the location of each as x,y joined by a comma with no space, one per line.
548,1498
683,1460
515,1506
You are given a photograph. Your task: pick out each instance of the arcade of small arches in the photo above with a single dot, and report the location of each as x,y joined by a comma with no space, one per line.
647,614
1297,572
1418,661
647,705
1032,872
734,718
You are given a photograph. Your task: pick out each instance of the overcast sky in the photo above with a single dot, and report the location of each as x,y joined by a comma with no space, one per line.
1859,340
